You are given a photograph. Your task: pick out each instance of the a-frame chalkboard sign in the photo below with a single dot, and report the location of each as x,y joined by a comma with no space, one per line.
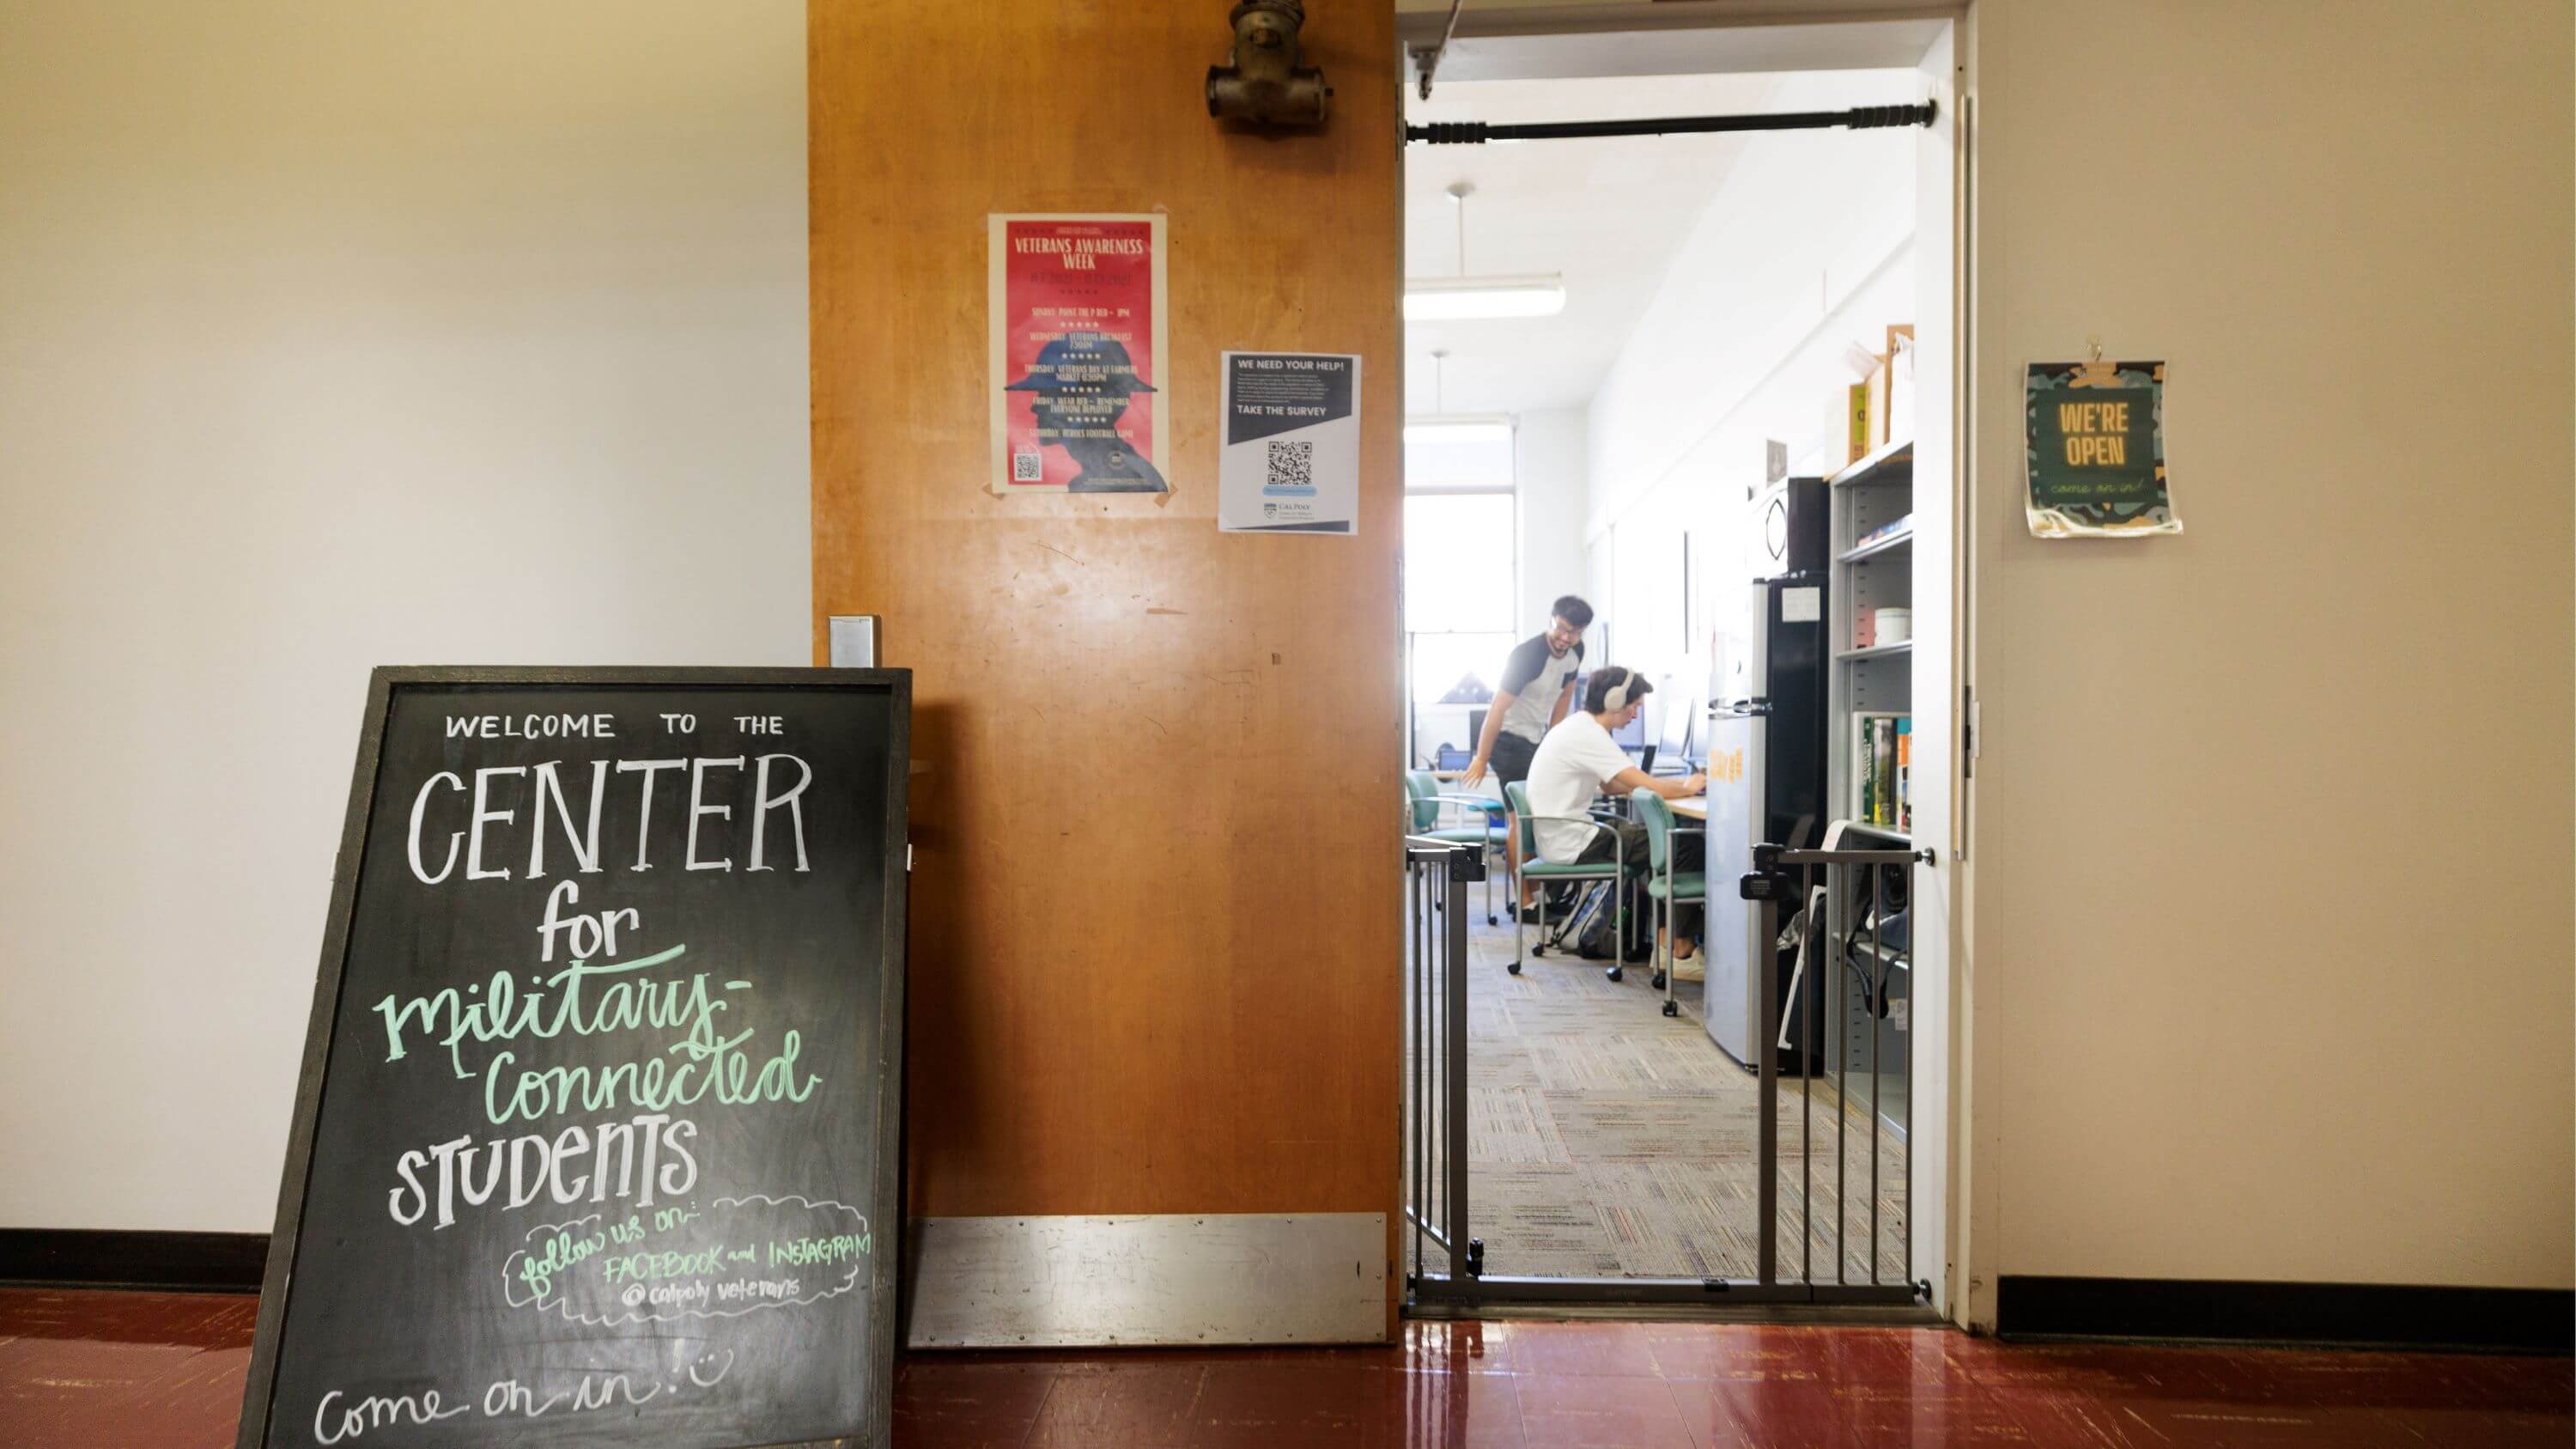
597,1136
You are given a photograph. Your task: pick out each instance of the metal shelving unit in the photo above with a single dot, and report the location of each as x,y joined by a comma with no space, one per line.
1873,494
1877,651
1875,547
1897,457
1869,495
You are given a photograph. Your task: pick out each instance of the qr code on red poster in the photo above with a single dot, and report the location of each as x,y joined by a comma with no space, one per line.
1292,464
1028,467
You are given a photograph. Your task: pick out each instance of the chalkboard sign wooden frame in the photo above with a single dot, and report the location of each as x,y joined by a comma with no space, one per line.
384,685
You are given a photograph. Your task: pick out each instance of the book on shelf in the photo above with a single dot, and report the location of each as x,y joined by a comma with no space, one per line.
1882,770
1905,775
1885,531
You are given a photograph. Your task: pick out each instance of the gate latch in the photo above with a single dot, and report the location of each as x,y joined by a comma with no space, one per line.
1766,881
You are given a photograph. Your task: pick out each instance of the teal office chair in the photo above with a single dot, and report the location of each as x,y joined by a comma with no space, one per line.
1423,805
1666,888
1542,872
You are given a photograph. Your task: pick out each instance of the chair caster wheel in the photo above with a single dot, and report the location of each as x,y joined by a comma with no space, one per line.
1672,1008
1493,920
1656,981
1514,968
1538,950
1615,974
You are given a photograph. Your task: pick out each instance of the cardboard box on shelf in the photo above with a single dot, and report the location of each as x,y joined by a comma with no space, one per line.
1897,421
1878,403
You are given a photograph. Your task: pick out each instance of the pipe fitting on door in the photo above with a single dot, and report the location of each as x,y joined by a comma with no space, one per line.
1262,80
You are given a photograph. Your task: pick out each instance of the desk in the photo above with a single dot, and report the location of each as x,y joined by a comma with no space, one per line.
1691,807
1493,803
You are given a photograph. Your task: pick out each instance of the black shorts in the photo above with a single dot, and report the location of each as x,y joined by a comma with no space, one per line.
1511,758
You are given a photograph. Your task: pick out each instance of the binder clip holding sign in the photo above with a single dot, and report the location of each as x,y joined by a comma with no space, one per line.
2095,439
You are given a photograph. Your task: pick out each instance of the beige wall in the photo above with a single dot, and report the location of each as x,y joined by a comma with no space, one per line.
2271,971
334,335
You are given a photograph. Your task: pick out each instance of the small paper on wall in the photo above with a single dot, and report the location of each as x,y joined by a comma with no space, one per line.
1290,459
2095,439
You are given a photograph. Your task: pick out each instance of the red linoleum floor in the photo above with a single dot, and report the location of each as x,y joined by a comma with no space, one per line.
118,1369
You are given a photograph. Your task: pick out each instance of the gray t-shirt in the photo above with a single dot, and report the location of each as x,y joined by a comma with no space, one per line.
1535,678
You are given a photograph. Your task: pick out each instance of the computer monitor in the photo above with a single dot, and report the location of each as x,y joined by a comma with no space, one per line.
1685,737
1673,741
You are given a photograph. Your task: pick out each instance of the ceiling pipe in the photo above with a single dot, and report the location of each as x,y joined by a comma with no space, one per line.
1858,118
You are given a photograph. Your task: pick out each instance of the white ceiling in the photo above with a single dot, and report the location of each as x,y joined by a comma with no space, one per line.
1609,214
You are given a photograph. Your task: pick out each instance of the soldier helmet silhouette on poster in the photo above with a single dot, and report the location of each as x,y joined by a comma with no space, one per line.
1082,381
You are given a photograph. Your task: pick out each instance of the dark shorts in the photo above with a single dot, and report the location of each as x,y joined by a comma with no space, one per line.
1690,852
1629,842
1511,758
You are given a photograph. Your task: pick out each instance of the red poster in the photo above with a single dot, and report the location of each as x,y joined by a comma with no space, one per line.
1077,354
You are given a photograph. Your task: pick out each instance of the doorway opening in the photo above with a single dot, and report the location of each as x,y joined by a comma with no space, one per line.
1702,383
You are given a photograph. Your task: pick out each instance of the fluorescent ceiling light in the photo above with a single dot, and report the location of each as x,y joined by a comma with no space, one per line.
1458,428
1449,299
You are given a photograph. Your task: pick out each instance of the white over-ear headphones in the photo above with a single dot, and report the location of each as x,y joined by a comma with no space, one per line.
1617,698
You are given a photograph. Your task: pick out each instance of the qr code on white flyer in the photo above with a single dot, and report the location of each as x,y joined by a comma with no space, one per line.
1292,466
1028,467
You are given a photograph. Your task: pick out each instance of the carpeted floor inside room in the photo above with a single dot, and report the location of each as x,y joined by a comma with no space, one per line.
1609,1140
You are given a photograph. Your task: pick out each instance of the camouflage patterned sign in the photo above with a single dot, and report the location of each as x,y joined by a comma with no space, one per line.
2096,449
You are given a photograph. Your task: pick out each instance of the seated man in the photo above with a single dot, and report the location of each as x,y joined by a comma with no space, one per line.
1574,764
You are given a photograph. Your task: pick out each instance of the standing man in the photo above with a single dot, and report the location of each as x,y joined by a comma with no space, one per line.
1537,689
1575,763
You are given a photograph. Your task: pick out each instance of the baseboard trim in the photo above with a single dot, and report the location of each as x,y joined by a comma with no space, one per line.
171,1262
2527,1320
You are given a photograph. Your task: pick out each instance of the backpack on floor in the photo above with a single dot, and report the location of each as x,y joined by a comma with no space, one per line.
1593,925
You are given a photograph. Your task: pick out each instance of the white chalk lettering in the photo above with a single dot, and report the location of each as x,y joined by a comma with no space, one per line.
585,845
377,1411
537,1166
644,821
532,727
420,807
592,936
698,808
764,802
712,839
474,840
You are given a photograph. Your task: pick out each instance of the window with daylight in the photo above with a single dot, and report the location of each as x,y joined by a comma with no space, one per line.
1460,561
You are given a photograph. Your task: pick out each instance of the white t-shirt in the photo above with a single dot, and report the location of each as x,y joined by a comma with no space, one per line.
1573,764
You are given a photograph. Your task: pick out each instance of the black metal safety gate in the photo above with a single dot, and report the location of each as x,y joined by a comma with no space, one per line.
1835,934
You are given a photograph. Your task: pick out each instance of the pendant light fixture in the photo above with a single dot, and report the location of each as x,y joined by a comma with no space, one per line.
1442,427
1466,298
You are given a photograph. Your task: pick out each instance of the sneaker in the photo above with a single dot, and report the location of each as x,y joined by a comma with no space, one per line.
1693,967
1560,905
